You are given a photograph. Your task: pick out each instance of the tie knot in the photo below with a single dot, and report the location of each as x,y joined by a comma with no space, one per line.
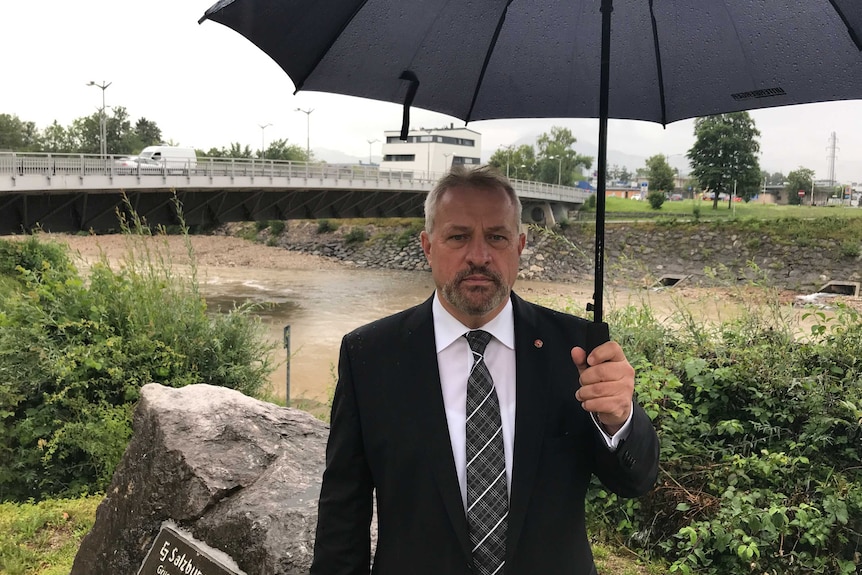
478,340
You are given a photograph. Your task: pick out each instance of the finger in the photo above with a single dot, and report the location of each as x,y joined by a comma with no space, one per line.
610,371
608,351
579,357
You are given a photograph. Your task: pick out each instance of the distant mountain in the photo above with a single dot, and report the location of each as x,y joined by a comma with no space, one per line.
339,157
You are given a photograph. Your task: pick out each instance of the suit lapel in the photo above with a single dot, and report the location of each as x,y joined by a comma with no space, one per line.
419,338
530,396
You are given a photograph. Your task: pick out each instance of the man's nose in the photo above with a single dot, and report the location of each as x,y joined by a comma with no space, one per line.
478,250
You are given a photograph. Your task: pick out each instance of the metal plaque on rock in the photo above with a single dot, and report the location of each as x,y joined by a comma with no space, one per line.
173,553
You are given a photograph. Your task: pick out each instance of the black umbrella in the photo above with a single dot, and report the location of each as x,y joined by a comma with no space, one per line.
492,59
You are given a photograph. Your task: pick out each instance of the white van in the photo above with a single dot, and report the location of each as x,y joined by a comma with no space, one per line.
173,159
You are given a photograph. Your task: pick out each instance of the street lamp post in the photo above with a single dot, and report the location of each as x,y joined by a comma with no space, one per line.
508,157
369,149
446,162
307,131
428,160
559,168
262,147
103,144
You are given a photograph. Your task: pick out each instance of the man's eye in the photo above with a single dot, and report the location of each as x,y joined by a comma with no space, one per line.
458,238
497,239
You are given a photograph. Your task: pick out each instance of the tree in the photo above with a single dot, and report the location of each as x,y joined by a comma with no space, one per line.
517,162
148,133
659,174
801,179
58,140
17,135
625,176
235,151
281,150
773,179
558,161
725,151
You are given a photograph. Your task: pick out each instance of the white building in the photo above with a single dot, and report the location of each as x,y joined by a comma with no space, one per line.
431,150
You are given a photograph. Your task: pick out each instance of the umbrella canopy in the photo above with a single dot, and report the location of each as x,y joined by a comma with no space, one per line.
491,59
655,60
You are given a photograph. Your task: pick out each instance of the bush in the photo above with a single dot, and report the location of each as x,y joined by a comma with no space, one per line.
760,434
277,227
410,235
325,226
74,354
655,199
356,236
850,249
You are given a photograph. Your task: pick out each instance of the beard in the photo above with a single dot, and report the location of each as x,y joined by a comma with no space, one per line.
476,300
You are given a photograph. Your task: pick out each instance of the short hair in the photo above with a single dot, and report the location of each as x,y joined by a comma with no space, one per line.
484,177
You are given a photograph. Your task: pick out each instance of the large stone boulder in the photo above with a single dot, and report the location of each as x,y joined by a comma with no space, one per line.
241,475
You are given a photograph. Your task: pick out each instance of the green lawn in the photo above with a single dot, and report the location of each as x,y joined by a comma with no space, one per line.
43,538
620,207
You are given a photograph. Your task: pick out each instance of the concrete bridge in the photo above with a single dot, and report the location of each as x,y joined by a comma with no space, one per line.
73,192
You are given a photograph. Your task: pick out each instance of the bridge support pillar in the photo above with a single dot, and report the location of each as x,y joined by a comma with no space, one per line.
540,213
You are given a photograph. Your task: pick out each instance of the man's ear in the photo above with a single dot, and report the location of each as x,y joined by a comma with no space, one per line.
522,242
426,244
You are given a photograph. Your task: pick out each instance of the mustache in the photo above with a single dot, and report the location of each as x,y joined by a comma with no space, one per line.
478,271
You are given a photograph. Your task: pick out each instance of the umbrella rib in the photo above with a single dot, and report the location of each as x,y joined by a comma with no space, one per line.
488,54
850,30
658,64
334,39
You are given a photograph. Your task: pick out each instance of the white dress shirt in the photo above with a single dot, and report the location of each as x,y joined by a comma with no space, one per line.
455,361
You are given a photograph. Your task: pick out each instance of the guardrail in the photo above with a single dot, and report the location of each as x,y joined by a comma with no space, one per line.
49,165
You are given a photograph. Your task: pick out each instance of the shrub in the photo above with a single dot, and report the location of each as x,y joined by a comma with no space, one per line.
74,354
760,433
356,236
695,211
850,249
410,235
325,226
277,227
655,199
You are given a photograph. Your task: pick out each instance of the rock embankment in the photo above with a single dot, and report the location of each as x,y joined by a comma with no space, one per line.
636,253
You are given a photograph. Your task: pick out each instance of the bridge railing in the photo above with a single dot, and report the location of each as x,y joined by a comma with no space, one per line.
45,164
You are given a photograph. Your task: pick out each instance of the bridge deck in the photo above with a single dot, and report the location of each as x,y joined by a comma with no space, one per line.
79,192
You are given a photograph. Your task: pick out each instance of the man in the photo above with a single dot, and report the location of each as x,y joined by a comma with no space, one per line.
476,417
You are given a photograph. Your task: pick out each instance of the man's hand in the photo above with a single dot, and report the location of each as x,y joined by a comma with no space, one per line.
607,384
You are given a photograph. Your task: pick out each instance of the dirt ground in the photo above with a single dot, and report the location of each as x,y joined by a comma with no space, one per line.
209,251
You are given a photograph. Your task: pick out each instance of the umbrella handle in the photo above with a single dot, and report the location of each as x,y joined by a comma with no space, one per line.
595,334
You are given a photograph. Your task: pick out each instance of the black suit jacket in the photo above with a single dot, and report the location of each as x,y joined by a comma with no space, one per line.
389,434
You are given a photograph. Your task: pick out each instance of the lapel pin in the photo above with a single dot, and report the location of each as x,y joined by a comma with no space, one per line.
538,343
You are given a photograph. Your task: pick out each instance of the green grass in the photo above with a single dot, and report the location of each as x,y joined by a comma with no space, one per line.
740,210
43,538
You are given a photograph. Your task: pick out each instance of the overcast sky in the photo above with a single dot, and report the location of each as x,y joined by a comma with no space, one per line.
207,86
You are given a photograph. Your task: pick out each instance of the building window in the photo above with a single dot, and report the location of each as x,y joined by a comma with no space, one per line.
427,139
465,161
399,158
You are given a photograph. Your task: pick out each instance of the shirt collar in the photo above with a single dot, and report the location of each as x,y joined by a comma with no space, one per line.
447,329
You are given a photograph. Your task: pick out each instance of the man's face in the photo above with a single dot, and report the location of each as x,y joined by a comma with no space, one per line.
474,251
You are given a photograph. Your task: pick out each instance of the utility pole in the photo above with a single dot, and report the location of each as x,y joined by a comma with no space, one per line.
307,132
369,149
262,148
103,144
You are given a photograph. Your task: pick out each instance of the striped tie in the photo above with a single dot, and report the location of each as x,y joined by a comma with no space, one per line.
487,497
